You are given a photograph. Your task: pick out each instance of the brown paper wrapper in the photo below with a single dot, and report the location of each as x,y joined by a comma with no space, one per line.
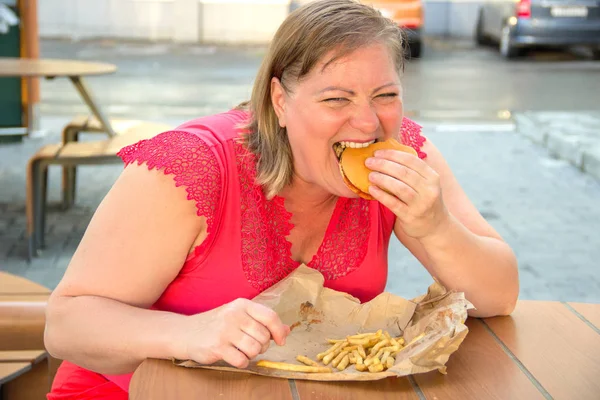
316,313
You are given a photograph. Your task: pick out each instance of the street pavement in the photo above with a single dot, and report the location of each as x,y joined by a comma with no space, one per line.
533,174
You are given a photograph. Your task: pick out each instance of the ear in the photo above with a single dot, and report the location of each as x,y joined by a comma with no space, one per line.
278,100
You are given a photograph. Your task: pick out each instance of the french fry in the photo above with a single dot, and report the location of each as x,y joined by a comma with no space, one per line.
368,361
379,354
335,341
344,363
327,359
332,349
372,360
352,358
385,356
361,351
307,361
387,336
361,367
376,368
339,358
372,342
363,341
292,367
357,357
379,345
389,362
350,348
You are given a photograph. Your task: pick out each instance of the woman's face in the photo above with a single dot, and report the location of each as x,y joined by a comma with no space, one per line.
355,100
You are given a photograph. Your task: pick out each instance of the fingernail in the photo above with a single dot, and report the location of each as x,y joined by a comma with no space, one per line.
370,161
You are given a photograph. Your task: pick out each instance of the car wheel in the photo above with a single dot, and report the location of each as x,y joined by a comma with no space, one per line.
507,48
480,37
415,49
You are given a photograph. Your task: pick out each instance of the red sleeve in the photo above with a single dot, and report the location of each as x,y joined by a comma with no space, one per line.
410,133
192,163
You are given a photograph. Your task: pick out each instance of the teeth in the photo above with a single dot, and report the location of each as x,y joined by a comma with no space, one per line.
355,145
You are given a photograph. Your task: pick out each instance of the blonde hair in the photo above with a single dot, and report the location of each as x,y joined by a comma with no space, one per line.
302,40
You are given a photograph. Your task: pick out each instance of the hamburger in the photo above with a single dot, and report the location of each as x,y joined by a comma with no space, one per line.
351,161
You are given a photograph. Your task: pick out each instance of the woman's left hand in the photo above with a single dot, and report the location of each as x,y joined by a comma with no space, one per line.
410,189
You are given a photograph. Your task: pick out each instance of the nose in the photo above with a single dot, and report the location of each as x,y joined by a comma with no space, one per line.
364,118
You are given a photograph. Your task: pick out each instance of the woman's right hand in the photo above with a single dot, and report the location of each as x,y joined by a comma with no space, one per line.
235,333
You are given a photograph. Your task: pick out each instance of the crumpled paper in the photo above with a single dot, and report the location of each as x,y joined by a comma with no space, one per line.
316,313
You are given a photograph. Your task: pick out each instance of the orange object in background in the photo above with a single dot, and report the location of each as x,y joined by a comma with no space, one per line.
30,48
408,14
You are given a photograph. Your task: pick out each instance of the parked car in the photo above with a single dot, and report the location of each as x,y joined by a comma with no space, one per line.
408,14
516,25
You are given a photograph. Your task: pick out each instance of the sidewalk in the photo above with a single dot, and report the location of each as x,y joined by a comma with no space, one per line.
570,136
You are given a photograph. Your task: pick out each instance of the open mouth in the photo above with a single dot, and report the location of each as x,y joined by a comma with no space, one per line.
339,147
351,160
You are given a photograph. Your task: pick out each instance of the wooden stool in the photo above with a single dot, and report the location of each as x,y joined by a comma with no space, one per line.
71,155
71,133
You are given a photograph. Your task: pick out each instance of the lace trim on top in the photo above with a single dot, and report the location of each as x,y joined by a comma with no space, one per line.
192,164
265,225
345,247
410,134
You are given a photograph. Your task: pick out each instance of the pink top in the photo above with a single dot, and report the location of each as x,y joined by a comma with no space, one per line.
246,245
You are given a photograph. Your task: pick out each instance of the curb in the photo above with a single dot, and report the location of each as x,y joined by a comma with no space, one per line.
565,142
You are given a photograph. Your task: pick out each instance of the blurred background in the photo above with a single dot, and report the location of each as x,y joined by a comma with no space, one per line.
508,90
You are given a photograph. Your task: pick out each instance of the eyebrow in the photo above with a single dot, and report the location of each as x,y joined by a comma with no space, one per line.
351,92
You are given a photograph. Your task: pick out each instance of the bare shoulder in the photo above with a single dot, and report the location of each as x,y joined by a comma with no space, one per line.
137,240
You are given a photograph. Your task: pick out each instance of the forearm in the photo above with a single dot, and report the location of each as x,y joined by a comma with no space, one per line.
484,268
107,336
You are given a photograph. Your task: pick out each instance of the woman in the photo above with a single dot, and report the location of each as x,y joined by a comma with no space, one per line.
209,215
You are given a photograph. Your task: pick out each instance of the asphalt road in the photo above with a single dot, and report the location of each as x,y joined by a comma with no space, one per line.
453,80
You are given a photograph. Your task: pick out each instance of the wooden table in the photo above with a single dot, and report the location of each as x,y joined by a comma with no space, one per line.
74,70
23,375
17,286
543,350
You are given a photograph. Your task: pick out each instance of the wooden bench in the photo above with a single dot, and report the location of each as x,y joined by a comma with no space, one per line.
70,155
22,322
24,375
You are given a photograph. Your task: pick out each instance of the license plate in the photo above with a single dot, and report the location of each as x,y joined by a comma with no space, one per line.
580,12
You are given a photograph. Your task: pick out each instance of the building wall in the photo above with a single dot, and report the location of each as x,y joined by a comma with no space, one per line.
226,21
211,21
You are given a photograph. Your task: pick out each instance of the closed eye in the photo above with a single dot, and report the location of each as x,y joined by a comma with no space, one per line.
335,99
388,95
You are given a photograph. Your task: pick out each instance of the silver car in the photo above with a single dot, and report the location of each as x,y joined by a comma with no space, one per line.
518,24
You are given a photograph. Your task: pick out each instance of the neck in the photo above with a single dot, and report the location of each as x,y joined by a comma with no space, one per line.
301,195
